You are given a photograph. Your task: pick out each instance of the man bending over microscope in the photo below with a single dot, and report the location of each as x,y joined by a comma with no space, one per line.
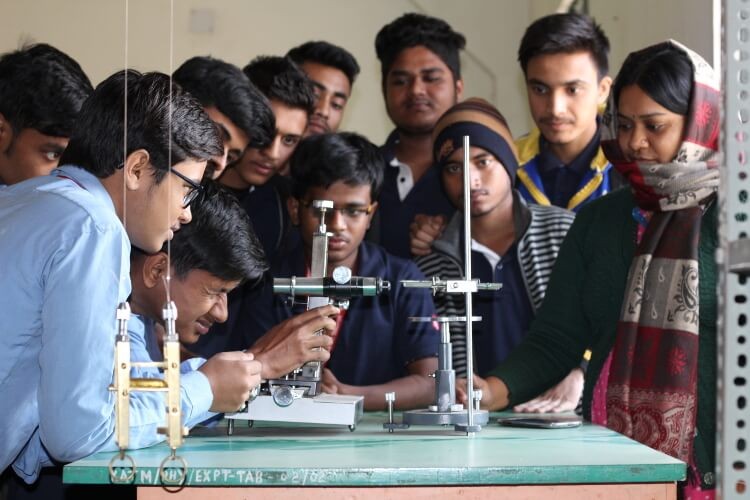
375,348
210,257
68,238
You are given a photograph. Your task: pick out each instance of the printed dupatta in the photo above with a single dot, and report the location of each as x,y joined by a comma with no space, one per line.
647,389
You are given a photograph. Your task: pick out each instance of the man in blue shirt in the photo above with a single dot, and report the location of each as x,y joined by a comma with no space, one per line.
210,257
68,237
376,349
421,79
241,112
41,92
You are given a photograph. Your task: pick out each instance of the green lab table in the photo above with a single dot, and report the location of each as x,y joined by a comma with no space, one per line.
421,462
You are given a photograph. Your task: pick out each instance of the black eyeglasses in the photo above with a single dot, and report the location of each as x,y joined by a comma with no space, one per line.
195,189
350,212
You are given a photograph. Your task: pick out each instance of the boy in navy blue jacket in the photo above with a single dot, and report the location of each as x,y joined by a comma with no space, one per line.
376,349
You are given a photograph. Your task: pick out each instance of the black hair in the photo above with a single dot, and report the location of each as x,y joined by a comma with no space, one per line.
663,71
565,34
217,83
43,89
411,30
97,141
219,240
322,160
326,54
281,79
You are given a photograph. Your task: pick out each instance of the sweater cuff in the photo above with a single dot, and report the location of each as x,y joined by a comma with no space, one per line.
514,381
584,364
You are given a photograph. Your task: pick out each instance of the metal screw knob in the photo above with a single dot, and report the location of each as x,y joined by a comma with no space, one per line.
390,397
477,398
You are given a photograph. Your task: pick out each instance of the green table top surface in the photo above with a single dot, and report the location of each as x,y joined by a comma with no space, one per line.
370,456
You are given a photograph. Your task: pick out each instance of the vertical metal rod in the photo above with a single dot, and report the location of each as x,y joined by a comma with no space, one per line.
467,276
319,261
446,349
318,269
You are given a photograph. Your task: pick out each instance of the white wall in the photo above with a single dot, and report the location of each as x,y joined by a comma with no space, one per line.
93,32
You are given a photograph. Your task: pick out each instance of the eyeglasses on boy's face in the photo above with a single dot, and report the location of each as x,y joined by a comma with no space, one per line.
195,188
349,212
192,194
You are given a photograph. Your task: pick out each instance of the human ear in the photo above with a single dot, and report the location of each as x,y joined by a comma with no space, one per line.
459,89
135,169
154,269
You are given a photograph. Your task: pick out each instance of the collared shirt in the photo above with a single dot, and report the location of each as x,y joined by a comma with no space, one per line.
561,181
405,179
376,341
492,257
506,313
68,269
401,199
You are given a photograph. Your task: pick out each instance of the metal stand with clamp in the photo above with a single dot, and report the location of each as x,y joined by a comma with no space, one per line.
297,397
445,411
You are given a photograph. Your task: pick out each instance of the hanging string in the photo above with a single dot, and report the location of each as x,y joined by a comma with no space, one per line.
168,279
125,125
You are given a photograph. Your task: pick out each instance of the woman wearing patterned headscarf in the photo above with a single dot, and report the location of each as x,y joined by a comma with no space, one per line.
635,279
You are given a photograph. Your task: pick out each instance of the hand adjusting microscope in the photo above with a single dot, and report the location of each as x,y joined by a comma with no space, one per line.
296,397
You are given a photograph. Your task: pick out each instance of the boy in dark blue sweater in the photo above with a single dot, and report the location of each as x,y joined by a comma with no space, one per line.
376,349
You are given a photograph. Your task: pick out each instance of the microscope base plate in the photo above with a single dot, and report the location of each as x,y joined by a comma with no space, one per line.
324,409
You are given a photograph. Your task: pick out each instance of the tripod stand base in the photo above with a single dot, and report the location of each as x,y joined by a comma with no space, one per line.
427,417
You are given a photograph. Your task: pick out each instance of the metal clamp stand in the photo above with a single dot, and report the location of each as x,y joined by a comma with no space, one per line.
124,385
297,397
445,411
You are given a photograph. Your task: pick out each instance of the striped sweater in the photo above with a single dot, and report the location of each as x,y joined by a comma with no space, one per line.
540,229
